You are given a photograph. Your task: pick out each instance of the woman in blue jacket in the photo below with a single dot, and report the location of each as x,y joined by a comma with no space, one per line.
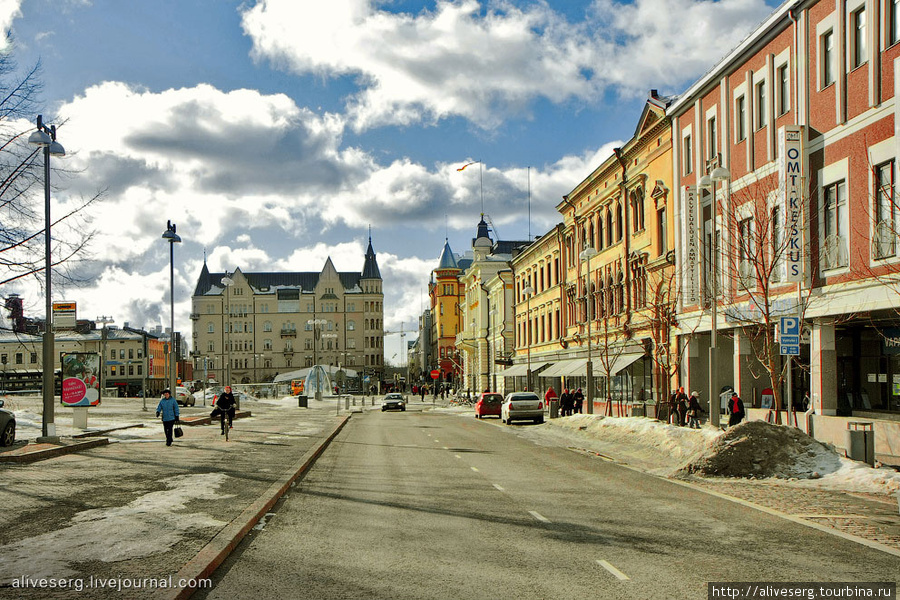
168,408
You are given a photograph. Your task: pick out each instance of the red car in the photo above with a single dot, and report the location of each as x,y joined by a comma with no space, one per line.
489,403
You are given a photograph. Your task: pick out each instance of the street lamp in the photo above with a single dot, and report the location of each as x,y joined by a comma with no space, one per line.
45,137
587,254
228,282
718,175
528,291
173,238
315,324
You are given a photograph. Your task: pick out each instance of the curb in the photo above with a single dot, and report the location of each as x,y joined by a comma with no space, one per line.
217,550
42,453
192,421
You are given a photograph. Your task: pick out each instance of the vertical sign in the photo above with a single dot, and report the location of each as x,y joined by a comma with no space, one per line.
690,277
790,181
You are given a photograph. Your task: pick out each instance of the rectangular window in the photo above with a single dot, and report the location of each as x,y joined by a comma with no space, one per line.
745,242
33,357
858,31
661,231
826,54
20,358
711,142
784,90
835,225
688,166
885,233
777,243
740,118
761,105
893,21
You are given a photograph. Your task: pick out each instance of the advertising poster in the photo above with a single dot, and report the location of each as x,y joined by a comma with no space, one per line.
81,379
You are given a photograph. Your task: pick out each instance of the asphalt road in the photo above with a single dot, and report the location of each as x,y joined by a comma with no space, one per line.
430,505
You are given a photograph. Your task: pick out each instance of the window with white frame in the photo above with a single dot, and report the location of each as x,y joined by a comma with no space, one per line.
858,48
745,253
777,248
835,225
884,238
711,146
760,104
688,164
740,118
893,22
826,58
784,90
210,327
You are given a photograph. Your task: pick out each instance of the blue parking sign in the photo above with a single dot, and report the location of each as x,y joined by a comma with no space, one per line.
789,326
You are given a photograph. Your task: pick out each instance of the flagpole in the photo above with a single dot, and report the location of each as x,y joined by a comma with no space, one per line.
481,171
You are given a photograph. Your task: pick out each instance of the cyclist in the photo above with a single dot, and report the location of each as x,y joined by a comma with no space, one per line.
225,404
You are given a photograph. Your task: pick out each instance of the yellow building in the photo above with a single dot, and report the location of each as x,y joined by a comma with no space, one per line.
617,253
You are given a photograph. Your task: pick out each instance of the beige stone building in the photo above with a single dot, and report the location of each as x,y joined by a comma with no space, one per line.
250,327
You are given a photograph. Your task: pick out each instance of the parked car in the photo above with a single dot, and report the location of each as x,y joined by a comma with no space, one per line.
522,405
393,401
7,426
489,403
183,396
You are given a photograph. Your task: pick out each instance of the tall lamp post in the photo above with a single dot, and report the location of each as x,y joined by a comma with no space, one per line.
719,174
227,282
45,138
315,324
173,238
587,254
528,291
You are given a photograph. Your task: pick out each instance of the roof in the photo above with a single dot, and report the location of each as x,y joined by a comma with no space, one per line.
448,260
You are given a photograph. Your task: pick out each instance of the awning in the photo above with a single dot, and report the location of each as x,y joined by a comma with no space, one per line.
522,369
621,362
566,368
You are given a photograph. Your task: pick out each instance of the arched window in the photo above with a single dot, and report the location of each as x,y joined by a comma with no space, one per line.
619,222
609,227
600,233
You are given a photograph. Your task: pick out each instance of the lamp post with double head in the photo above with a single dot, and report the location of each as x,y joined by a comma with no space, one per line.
719,175
45,138
173,238
586,255
528,291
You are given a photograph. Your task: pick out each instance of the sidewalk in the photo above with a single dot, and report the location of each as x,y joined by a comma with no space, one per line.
133,511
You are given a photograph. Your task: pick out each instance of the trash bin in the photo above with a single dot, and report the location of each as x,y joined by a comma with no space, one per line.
859,439
554,409
302,401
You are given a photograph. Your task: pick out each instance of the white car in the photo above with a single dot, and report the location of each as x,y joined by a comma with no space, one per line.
183,396
521,406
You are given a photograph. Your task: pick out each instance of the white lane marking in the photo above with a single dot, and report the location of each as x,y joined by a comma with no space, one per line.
446,448
619,574
457,456
499,488
474,469
539,516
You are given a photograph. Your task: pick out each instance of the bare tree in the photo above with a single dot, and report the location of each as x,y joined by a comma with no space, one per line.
22,182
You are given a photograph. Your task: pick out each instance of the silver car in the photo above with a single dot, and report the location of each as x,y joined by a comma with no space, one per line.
393,401
521,406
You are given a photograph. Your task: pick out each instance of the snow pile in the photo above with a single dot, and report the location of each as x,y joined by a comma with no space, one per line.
760,449
671,441
751,450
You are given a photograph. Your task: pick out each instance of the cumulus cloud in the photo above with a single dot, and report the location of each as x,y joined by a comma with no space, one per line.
486,63
10,10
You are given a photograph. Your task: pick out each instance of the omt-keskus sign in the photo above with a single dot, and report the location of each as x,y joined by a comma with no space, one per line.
790,182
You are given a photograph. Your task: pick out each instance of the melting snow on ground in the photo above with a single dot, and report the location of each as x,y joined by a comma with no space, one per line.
150,524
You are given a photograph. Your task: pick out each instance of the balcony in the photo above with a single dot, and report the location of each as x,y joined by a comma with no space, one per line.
288,333
195,316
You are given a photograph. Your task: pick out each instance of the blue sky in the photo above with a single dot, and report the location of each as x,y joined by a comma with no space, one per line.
274,133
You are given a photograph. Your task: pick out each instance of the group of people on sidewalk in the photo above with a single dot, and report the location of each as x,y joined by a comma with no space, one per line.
571,402
168,411
685,410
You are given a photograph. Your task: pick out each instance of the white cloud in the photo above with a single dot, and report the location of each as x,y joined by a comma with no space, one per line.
486,63
10,10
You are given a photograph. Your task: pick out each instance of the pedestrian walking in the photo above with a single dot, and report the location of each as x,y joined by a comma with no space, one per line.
578,396
681,404
567,402
672,417
693,411
168,409
735,410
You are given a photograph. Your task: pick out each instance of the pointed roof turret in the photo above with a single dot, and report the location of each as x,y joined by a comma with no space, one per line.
483,235
448,260
370,268
204,282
